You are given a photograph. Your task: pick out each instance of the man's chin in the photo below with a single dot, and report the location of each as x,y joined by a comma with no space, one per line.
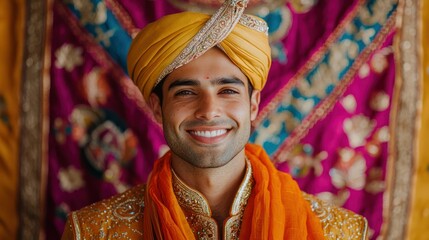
208,159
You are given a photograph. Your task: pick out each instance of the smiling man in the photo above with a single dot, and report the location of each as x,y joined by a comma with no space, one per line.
202,76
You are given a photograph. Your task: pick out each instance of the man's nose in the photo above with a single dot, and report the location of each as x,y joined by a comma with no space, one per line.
208,107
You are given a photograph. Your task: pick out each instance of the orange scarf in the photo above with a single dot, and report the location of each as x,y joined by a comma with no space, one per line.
275,209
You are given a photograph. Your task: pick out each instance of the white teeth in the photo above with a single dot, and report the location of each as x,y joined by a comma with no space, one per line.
209,134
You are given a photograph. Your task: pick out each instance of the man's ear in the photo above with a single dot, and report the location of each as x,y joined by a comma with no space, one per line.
254,104
155,105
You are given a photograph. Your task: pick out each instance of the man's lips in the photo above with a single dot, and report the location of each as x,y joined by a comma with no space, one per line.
209,136
208,133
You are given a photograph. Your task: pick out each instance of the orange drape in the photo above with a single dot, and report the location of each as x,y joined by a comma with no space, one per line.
11,48
276,209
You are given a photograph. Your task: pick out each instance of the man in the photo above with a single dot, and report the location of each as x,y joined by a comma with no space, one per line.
202,77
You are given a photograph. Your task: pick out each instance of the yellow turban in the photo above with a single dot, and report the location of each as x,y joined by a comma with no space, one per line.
160,43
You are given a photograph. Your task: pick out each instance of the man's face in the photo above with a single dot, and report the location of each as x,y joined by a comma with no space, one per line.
206,111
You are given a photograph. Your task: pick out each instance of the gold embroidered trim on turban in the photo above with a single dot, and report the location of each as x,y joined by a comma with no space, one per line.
177,39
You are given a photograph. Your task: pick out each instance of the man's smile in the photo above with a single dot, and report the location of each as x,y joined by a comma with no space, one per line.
208,136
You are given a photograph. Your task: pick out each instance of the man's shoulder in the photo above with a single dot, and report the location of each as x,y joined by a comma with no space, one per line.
129,203
118,216
337,222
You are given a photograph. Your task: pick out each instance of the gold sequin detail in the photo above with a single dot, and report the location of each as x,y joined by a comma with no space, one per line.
338,223
119,217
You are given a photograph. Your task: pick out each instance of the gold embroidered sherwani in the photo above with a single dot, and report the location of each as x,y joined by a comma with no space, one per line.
121,217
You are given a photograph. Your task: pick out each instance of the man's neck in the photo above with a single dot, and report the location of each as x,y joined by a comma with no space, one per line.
218,185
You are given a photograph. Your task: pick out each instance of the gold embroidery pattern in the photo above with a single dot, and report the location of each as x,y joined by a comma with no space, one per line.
233,226
338,223
119,217
128,210
253,23
203,227
189,199
198,213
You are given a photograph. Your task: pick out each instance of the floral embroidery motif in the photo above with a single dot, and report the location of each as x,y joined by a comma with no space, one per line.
380,101
70,179
68,57
279,121
357,129
349,103
301,160
104,37
349,171
364,71
113,175
335,199
373,146
302,6
90,14
376,13
375,182
96,87
379,61
105,142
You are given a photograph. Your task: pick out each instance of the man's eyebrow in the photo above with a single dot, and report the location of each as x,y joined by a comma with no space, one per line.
183,82
228,80
218,81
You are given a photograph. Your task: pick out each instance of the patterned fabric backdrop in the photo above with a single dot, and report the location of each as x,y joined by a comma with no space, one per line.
327,117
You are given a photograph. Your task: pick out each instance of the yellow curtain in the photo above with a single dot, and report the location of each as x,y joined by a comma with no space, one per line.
11,48
419,217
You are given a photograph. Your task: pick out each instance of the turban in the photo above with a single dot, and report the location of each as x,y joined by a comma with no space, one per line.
176,39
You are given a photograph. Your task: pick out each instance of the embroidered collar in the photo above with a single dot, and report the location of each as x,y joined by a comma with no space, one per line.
198,213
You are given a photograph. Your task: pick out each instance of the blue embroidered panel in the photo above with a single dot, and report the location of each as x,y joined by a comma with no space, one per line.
100,22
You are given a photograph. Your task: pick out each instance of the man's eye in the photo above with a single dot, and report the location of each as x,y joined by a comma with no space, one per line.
183,93
228,91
